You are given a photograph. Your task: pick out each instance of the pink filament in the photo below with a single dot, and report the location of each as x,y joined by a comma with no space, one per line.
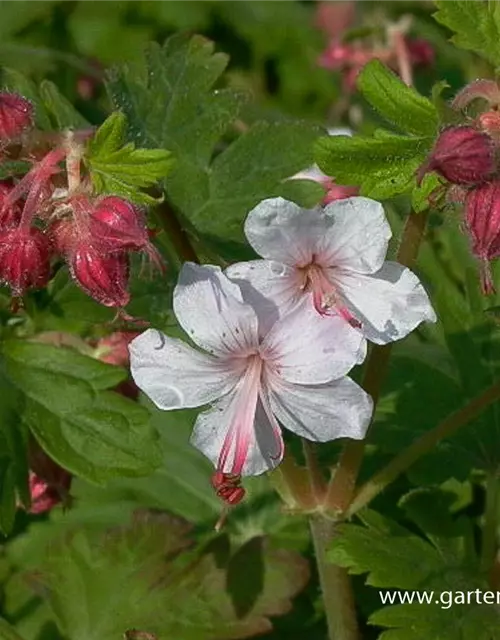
325,299
241,431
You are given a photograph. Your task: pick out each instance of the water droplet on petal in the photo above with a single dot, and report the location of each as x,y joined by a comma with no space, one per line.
278,268
174,398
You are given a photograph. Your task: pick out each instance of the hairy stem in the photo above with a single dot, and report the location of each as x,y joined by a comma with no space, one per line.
421,446
343,483
489,546
335,584
316,479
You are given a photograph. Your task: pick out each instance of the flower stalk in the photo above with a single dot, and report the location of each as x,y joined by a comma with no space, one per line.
343,483
426,443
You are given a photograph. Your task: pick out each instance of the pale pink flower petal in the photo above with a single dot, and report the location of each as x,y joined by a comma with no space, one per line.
390,303
339,409
210,309
307,348
280,230
176,376
356,235
239,434
271,287
265,446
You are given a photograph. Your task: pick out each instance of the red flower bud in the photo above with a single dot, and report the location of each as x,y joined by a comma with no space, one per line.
16,114
24,259
421,52
102,276
116,223
462,155
482,218
10,215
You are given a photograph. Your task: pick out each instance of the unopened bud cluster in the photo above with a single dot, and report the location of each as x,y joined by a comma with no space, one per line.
51,215
468,158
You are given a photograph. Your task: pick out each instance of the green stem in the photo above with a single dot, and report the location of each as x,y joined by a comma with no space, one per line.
335,584
421,446
177,235
489,546
316,479
343,483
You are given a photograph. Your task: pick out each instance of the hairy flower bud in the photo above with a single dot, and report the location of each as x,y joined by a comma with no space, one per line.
116,223
104,277
24,259
16,114
462,155
10,214
482,219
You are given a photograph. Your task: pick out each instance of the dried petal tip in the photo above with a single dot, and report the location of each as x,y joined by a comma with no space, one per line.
482,219
462,155
16,114
24,259
485,89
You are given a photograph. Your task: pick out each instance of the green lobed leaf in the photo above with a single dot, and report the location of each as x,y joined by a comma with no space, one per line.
399,104
443,560
63,113
173,105
382,166
161,584
475,23
119,167
93,433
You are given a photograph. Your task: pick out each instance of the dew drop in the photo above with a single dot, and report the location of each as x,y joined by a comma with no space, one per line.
173,398
278,268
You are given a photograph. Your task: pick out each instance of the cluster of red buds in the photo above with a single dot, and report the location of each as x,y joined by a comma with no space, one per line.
398,50
51,214
468,158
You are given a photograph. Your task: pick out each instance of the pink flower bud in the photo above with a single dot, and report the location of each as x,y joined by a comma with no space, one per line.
113,349
490,123
421,52
116,223
462,155
482,219
16,114
10,215
333,18
104,277
49,483
24,259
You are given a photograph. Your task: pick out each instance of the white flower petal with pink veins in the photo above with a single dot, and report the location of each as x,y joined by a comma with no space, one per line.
240,434
334,257
338,409
264,447
175,375
389,303
210,309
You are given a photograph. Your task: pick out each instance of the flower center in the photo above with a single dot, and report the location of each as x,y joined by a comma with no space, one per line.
250,399
326,300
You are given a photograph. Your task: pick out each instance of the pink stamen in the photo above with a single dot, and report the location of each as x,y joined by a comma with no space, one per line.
325,298
33,183
240,433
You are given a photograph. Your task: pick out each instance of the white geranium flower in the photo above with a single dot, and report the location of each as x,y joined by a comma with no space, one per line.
253,380
334,257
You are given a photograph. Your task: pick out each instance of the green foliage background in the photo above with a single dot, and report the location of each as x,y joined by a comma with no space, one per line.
217,122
